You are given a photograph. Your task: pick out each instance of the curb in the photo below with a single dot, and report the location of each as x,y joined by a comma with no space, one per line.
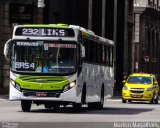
4,96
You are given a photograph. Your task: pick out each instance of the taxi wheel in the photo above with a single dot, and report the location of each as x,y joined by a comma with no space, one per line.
156,101
152,101
123,100
129,101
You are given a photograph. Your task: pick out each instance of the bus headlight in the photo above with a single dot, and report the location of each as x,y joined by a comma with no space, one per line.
69,86
16,85
12,82
72,84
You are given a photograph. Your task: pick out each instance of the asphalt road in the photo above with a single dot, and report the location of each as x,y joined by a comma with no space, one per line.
115,114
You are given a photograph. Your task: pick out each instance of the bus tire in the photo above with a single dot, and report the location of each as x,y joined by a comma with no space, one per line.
91,106
47,106
99,105
77,107
26,105
83,98
56,106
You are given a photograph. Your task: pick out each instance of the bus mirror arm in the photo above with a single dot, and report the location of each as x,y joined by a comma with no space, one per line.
7,50
82,51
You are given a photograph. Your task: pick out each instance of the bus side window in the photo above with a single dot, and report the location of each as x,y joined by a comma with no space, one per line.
85,44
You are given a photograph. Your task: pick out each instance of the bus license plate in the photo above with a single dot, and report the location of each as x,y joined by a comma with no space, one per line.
41,94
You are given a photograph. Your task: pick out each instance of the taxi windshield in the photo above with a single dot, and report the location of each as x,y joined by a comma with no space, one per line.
139,80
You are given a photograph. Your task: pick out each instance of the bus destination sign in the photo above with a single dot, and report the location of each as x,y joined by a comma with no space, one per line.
44,32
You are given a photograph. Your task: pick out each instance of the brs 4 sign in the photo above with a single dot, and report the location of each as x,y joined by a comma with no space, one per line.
24,65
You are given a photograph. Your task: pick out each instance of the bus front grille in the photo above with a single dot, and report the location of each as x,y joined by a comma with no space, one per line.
41,94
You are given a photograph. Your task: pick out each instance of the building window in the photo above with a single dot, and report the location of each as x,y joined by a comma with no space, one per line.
151,3
130,7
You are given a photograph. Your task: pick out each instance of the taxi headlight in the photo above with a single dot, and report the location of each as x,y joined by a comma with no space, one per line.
150,89
125,88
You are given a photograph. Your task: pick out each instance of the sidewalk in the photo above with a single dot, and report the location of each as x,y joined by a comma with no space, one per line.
116,97
4,96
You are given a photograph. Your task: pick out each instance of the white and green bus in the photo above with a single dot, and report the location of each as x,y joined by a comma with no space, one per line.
59,65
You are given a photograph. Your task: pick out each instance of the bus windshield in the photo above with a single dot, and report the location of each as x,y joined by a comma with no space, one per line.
56,57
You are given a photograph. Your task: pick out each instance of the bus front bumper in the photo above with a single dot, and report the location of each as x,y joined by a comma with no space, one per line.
69,95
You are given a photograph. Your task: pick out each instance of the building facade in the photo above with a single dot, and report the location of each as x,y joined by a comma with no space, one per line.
14,12
146,39
123,40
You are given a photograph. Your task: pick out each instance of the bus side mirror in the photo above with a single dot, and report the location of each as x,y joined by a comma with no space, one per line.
82,51
7,50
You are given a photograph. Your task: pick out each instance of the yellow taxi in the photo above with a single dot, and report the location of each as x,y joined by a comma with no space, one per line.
141,87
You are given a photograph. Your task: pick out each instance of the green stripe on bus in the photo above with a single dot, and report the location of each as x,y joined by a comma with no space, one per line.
42,82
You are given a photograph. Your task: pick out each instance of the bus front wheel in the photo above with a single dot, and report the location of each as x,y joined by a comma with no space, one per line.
77,107
26,105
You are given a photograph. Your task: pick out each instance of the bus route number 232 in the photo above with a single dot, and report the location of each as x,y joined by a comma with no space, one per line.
43,32
24,65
